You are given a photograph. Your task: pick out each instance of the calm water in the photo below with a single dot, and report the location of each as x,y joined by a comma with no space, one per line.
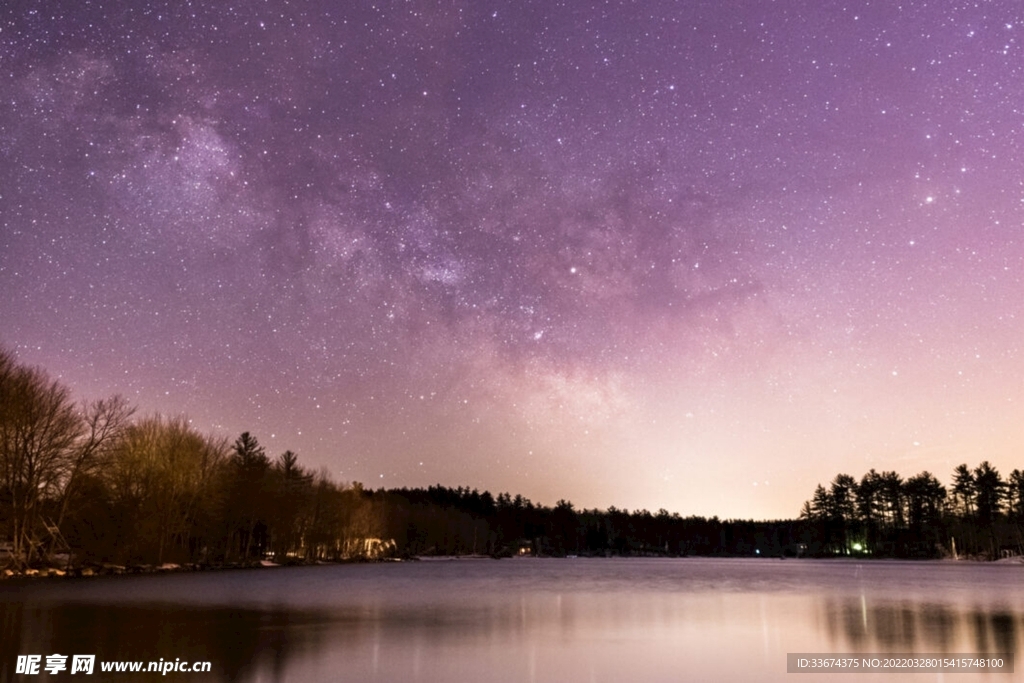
520,620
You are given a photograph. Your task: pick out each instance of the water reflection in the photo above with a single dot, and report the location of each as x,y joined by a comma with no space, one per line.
240,642
516,621
854,625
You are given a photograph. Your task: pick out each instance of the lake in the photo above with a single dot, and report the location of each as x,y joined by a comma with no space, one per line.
519,619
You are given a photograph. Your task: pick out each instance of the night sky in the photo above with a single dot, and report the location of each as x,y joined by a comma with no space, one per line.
693,255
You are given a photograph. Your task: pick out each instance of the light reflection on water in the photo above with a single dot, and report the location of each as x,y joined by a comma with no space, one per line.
520,620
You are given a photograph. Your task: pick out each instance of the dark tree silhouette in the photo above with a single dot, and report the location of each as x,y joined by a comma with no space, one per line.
1015,494
118,489
247,499
988,493
40,432
917,518
963,490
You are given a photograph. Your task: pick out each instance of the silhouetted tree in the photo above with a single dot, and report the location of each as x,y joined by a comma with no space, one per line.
989,490
1015,494
891,496
292,491
159,473
104,423
963,490
247,498
40,430
842,495
869,507
925,497
565,527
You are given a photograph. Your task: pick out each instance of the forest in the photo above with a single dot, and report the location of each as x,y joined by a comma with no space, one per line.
95,484
884,515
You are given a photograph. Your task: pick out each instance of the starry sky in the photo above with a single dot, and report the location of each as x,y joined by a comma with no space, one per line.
691,255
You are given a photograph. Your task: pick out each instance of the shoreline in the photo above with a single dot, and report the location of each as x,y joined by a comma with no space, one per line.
110,569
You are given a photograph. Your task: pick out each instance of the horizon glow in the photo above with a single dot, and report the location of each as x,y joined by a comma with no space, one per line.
696,256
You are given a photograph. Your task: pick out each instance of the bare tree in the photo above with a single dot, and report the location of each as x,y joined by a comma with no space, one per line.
39,431
104,422
160,472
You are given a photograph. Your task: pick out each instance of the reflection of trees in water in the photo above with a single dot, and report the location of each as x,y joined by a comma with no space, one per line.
916,627
250,644
242,644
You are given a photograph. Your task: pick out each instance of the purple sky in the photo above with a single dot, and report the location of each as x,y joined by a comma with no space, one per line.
692,255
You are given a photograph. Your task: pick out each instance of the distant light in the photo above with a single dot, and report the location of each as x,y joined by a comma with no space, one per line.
858,547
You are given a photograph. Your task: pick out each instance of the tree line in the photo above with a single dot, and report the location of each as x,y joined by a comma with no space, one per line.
980,515
95,483
98,484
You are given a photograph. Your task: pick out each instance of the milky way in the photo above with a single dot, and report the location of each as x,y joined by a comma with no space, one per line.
692,255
